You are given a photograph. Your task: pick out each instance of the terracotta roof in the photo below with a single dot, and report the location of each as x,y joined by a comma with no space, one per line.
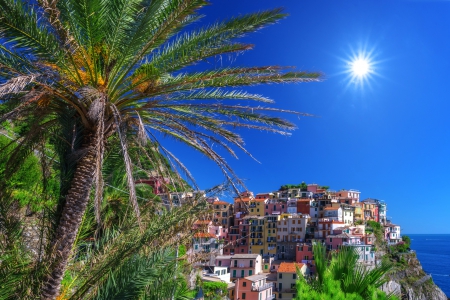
220,202
331,208
204,235
202,222
286,267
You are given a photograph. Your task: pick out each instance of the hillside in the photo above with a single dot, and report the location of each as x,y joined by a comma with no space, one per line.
410,279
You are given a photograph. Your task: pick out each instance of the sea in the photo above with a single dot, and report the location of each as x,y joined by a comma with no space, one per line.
433,252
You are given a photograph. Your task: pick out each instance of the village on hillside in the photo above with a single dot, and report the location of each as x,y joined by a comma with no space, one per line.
257,244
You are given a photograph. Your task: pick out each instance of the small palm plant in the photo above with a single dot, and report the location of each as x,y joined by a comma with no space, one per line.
343,277
90,72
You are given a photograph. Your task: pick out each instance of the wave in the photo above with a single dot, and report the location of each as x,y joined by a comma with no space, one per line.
440,275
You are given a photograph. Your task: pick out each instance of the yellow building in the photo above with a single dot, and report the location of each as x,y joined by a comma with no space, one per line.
257,234
270,232
256,207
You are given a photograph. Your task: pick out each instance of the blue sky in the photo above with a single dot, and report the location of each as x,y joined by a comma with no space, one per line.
387,138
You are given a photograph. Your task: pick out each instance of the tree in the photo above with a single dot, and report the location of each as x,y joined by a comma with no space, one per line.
90,72
343,277
215,290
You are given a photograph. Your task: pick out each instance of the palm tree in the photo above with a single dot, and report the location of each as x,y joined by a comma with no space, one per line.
88,72
344,276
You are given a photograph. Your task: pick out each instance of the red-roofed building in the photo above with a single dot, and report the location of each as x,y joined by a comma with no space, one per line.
286,279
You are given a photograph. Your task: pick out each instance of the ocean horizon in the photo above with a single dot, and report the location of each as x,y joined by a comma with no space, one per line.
433,252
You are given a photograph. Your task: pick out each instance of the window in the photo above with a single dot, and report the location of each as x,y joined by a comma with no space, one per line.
251,263
306,258
220,263
234,273
250,272
280,285
266,267
235,263
280,295
244,284
243,295
294,276
280,275
196,247
242,273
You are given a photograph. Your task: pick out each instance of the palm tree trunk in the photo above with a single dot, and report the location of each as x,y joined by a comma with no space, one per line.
76,202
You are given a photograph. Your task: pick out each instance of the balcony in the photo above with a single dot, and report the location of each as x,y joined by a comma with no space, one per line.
262,287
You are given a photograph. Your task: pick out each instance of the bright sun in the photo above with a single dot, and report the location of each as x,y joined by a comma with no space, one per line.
360,67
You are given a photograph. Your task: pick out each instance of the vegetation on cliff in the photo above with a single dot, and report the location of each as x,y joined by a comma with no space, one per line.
343,277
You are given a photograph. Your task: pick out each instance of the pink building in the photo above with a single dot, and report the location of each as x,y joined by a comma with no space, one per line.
243,265
304,254
348,196
253,287
223,260
238,237
326,227
275,207
315,188
333,242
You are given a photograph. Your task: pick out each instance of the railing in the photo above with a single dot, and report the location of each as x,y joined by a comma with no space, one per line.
262,287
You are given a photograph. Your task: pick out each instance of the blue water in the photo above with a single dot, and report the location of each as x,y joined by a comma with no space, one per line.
433,252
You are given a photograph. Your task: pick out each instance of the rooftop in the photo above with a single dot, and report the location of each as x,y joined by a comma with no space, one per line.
256,277
331,208
223,257
238,256
220,202
286,267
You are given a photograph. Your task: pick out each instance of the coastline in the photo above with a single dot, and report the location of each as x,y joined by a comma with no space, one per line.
433,253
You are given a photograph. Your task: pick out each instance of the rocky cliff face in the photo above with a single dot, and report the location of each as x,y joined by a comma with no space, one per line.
410,282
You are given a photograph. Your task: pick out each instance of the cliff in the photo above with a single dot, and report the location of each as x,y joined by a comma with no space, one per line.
410,281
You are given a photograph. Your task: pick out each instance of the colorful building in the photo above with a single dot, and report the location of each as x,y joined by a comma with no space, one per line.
243,265
287,278
253,287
